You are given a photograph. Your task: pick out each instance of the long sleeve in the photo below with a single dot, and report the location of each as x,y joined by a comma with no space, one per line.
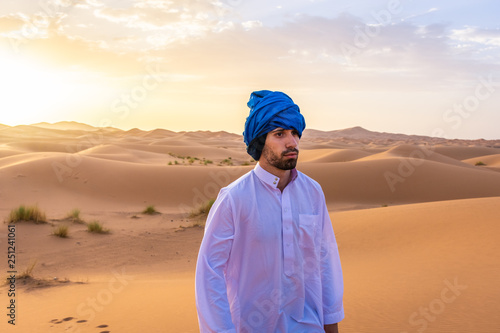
331,273
210,283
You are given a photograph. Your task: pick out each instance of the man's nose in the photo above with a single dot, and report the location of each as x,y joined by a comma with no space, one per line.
292,141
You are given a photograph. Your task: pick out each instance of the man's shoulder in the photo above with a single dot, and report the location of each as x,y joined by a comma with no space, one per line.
239,184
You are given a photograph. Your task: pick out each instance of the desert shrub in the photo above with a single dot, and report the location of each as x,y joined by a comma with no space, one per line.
150,210
27,213
61,231
227,161
202,209
479,163
27,273
74,215
97,228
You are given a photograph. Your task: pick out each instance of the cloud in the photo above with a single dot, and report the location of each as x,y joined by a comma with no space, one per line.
206,40
69,53
307,51
486,37
144,18
11,22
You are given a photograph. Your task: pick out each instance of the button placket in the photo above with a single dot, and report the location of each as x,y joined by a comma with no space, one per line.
287,222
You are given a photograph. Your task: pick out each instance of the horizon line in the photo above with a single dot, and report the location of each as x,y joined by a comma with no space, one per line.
230,132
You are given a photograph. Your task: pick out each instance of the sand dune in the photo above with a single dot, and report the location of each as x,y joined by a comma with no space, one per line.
6,151
399,264
332,155
462,153
434,247
66,126
400,181
414,152
488,160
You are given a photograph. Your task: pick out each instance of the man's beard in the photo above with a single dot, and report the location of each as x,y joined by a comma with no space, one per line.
280,162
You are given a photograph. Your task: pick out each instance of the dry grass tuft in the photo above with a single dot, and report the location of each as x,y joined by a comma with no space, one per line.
27,213
150,210
96,227
203,209
74,215
61,231
27,273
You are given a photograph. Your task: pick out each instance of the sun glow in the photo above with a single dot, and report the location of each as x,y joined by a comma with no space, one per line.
31,93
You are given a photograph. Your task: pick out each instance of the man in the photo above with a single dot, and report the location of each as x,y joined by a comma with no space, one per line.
268,261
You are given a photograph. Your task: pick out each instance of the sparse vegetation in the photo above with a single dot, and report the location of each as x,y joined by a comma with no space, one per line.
206,162
27,279
74,215
198,224
177,156
227,161
203,209
150,210
61,231
479,163
97,228
27,213
27,273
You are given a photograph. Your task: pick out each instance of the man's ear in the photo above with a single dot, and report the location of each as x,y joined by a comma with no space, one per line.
258,145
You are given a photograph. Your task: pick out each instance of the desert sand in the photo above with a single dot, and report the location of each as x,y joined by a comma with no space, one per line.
416,218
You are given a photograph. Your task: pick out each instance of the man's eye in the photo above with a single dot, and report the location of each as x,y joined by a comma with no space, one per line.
279,134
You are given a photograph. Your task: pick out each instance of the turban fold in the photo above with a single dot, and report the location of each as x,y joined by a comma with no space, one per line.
269,110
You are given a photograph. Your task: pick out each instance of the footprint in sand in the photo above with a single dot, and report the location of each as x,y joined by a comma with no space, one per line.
103,326
60,321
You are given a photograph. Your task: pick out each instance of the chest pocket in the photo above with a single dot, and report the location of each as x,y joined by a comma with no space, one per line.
308,226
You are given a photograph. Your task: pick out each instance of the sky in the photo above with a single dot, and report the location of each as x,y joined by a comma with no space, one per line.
400,66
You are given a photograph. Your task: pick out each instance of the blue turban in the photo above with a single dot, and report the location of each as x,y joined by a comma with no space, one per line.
269,110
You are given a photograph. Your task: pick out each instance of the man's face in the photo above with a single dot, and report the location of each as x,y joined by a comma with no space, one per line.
281,149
